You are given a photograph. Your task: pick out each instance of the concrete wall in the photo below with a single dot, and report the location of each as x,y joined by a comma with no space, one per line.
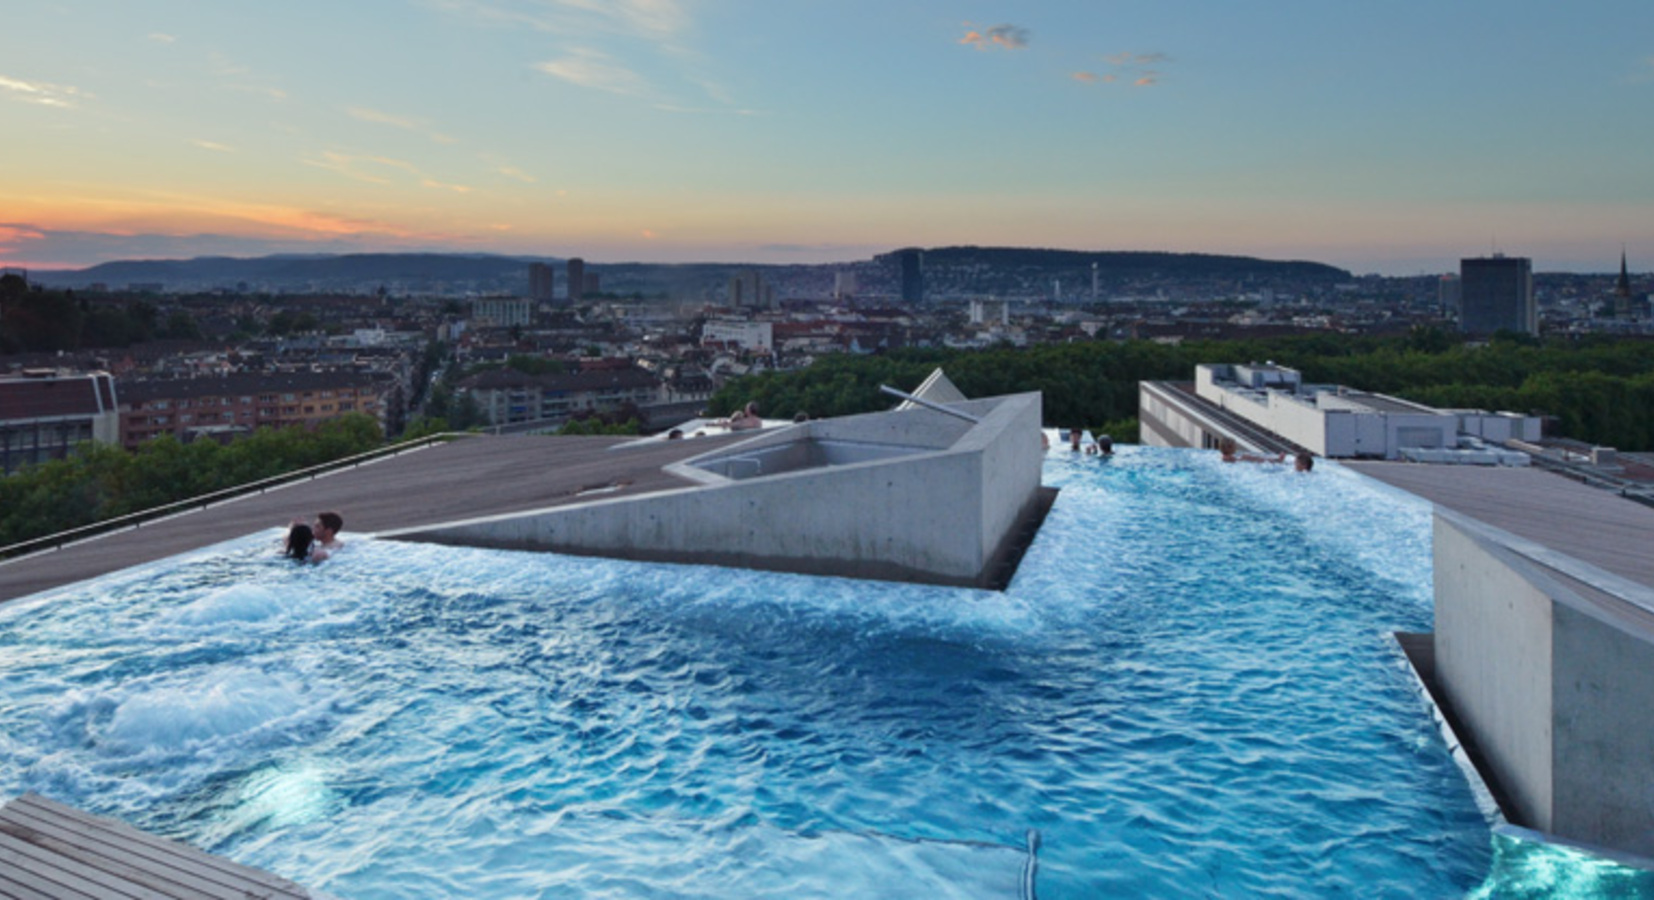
1164,422
1298,421
1012,458
1493,662
1603,688
1340,434
938,515
1549,663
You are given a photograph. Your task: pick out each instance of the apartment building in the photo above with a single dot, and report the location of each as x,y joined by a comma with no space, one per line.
507,396
45,413
222,407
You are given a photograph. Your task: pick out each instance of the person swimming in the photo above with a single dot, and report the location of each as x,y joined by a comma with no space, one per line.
746,418
301,545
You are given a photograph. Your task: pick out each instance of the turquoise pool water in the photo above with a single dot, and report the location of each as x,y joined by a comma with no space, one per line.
1189,690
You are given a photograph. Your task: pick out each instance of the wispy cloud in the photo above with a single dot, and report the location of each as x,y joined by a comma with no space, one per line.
653,19
516,173
1136,59
709,110
213,146
1133,68
591,68
662,18
500,166
378,170
1010,37
42,93
236,77
160,38
12,234
418,126
643,49
381,118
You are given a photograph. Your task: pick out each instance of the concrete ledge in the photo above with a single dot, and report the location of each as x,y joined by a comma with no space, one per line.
1419,651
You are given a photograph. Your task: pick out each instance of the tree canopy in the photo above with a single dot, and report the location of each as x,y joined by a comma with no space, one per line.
103,481
1599,390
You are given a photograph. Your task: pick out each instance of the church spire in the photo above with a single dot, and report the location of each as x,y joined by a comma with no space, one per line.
1623,287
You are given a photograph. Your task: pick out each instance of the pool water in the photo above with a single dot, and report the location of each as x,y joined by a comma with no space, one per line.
1189,689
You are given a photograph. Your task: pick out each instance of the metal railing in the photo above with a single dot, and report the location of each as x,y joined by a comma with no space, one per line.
1630,490
930,404
135,520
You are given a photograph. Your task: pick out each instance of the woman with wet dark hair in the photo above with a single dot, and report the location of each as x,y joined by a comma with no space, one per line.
301,544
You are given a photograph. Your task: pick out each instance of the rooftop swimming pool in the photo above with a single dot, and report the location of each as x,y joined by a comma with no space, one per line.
1190,689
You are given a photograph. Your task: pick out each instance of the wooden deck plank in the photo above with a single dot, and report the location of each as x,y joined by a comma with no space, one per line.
1587,523
123,834
22,869
89,852
147,866
103,884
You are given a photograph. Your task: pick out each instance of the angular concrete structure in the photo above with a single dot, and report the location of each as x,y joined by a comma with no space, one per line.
938,494
1543,651
1547,660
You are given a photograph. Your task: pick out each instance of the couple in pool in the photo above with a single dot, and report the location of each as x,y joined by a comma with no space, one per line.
317,541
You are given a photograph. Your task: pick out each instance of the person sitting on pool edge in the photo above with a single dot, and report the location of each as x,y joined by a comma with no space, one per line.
746,418
326,529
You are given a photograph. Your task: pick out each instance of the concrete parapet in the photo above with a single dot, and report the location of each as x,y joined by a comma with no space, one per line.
934,498
1548,662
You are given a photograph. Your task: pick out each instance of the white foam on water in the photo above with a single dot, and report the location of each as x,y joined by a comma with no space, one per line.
237,603
1379,529
191,716
283,796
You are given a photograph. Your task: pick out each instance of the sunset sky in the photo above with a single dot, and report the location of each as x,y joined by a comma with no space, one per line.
1383,137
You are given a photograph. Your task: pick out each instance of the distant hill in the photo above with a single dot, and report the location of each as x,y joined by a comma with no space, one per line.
949,271
987,269
295,273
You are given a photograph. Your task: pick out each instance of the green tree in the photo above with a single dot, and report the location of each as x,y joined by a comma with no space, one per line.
182,326
100,481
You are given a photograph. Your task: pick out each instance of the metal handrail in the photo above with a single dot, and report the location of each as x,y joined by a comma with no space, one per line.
60,539
930,404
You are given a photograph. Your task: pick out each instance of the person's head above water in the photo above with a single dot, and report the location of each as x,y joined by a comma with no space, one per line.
328,525
299,539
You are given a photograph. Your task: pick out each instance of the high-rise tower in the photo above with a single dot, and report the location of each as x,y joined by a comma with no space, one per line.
1496,292
541,282
913,276
577,279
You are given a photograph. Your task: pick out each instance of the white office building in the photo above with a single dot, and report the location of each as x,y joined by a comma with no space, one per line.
1268,408
757,337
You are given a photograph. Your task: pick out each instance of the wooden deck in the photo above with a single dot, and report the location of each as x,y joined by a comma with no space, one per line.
1589,524
49,851
476,476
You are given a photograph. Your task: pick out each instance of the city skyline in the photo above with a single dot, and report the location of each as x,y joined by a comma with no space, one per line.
1392,141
